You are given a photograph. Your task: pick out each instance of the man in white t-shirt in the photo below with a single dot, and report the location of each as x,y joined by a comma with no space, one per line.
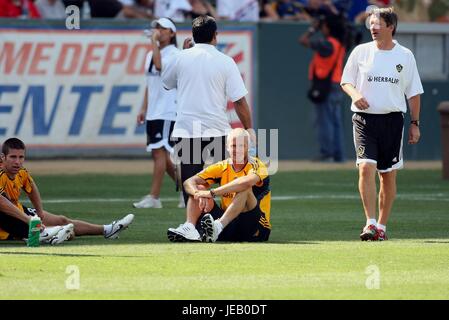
377,75
205,79
238,10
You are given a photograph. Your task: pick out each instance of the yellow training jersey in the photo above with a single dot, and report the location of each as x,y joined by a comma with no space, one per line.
222,173
11,189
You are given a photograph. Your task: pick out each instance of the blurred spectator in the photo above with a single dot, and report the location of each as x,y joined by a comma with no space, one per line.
105,8
173,9
325,72
238,10
268,10
439,11
145,7
51,9
129,10
201,7
290,10
18,9
412,11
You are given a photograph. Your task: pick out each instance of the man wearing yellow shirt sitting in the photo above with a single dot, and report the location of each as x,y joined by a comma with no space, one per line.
244,211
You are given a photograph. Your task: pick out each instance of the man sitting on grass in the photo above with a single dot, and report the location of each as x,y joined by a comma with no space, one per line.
244,212
14,217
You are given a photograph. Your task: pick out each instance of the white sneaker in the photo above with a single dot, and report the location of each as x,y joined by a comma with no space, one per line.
185,232
181,203
118,226
48,233
210,227
63,234
148,202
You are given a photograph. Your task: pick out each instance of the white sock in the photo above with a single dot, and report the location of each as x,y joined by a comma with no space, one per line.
190,225
107,228
220,226
382,227
371,221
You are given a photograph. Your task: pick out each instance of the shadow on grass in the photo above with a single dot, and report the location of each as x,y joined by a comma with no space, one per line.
64,255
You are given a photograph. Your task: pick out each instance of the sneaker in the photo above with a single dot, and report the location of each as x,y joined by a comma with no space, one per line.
48,233
381,235
63,234
185,232
148,202
369,233
181,203
210,228
118,226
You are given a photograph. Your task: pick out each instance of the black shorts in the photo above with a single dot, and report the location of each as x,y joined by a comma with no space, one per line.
16,228
245,228
378,139
159,134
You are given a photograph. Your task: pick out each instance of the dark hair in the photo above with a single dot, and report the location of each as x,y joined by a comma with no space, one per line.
336,26
388,15
12,143
203,29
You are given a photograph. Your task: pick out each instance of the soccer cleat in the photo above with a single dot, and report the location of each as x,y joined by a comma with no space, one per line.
210,228
63,234
148,202
118,226
185,232
369,233
381,235
49,233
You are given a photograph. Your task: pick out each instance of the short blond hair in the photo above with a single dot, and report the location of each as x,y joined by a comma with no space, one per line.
236,134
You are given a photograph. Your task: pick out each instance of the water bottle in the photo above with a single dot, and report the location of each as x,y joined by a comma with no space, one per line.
34,232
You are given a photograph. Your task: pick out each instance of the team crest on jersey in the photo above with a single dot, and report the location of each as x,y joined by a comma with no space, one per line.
399,67
360,151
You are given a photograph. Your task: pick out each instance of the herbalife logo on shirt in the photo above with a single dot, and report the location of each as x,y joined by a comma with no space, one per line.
383,79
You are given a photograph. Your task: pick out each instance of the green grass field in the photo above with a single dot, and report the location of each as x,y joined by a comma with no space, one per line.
313,253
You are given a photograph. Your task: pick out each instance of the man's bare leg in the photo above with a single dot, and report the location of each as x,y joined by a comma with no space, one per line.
387,195
82,228
367,189
243,201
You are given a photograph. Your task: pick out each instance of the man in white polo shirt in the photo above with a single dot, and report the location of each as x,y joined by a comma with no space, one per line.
205,79
377,75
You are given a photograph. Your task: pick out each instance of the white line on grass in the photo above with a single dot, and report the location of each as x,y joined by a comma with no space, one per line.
408,196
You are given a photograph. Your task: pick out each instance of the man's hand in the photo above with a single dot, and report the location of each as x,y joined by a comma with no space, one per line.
413,134
188,43
155,36
360,102
202,194
141,118
206,203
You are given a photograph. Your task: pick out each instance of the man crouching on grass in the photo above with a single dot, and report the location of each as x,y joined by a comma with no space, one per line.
244,212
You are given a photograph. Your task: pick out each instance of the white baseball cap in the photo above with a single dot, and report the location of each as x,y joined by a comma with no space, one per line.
164,23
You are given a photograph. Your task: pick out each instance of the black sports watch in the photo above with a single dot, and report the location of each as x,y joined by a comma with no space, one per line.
415,122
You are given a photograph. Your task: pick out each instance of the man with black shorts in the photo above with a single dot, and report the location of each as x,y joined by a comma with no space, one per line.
377,75
14,217
244,210
205,79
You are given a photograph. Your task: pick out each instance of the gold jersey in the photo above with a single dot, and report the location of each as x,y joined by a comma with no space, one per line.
223,172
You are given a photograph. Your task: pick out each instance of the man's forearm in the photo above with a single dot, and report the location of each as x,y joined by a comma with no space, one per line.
35,199
415,107
237,185
6,207
243,112
350,91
